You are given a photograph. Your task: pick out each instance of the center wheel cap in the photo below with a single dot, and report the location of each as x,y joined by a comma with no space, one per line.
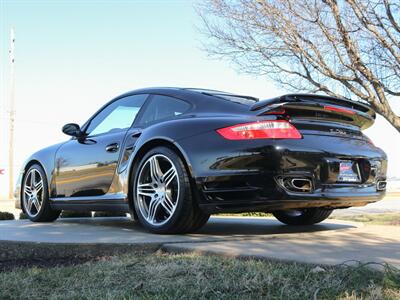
160,190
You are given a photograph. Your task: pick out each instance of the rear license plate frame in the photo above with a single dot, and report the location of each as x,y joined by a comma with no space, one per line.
349,172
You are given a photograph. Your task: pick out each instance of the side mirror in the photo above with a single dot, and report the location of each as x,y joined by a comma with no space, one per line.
72,129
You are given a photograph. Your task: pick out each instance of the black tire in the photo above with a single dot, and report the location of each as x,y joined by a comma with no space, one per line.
199,221
45,213
199,218
186,213
307,216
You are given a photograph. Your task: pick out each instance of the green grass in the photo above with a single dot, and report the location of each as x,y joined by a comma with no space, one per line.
75,214
23,216
373,219
102,214
140,275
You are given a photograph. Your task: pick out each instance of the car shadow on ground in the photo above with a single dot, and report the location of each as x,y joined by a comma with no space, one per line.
126,231
223,226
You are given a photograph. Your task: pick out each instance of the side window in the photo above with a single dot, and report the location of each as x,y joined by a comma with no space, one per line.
163,107
117,116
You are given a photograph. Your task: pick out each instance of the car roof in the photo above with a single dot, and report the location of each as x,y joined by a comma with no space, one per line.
197,94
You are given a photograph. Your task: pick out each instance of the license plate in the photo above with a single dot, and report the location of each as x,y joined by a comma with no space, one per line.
349,172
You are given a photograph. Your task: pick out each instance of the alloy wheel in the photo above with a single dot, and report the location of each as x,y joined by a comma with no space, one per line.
157,190
33,193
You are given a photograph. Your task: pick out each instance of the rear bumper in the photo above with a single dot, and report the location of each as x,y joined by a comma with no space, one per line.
253,199
240,176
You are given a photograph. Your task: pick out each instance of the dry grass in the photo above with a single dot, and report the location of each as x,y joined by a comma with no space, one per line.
140,275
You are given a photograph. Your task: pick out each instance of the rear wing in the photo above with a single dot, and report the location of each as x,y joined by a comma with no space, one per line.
319,107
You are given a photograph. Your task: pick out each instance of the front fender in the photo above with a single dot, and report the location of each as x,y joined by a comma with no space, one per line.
44,157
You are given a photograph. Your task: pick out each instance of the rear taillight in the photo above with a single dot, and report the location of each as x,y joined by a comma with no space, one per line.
274,129
339,110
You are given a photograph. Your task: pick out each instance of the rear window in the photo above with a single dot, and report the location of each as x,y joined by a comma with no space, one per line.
238,99
163,107
246,100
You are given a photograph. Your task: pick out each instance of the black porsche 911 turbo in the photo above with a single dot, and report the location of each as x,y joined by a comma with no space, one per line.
173,156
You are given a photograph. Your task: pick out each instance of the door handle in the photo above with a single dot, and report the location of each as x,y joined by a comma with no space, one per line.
136,134
112,147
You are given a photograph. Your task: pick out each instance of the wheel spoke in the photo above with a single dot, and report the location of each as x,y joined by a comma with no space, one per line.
167,204
33,178
150,206
153,207
146,189
36,204
27,190
30,202
168,176
155,170
39,186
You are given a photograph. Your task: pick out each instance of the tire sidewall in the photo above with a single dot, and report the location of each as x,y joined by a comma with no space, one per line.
183,188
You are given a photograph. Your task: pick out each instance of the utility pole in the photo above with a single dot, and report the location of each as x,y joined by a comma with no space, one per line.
12,116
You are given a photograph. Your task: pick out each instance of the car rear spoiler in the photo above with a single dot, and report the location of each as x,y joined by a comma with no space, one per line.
355,113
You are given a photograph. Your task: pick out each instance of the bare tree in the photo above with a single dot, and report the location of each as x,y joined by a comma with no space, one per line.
344,48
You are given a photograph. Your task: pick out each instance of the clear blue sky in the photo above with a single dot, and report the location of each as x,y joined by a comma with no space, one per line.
73,56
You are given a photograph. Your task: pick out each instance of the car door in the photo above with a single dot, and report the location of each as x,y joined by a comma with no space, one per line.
86,167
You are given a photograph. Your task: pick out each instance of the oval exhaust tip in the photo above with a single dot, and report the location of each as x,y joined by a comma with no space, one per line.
302,184
296,184
381,185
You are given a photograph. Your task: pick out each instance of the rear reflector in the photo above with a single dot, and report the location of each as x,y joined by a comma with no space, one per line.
274,129
340,110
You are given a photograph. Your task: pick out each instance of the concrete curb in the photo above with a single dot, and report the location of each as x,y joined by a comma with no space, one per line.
330,243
